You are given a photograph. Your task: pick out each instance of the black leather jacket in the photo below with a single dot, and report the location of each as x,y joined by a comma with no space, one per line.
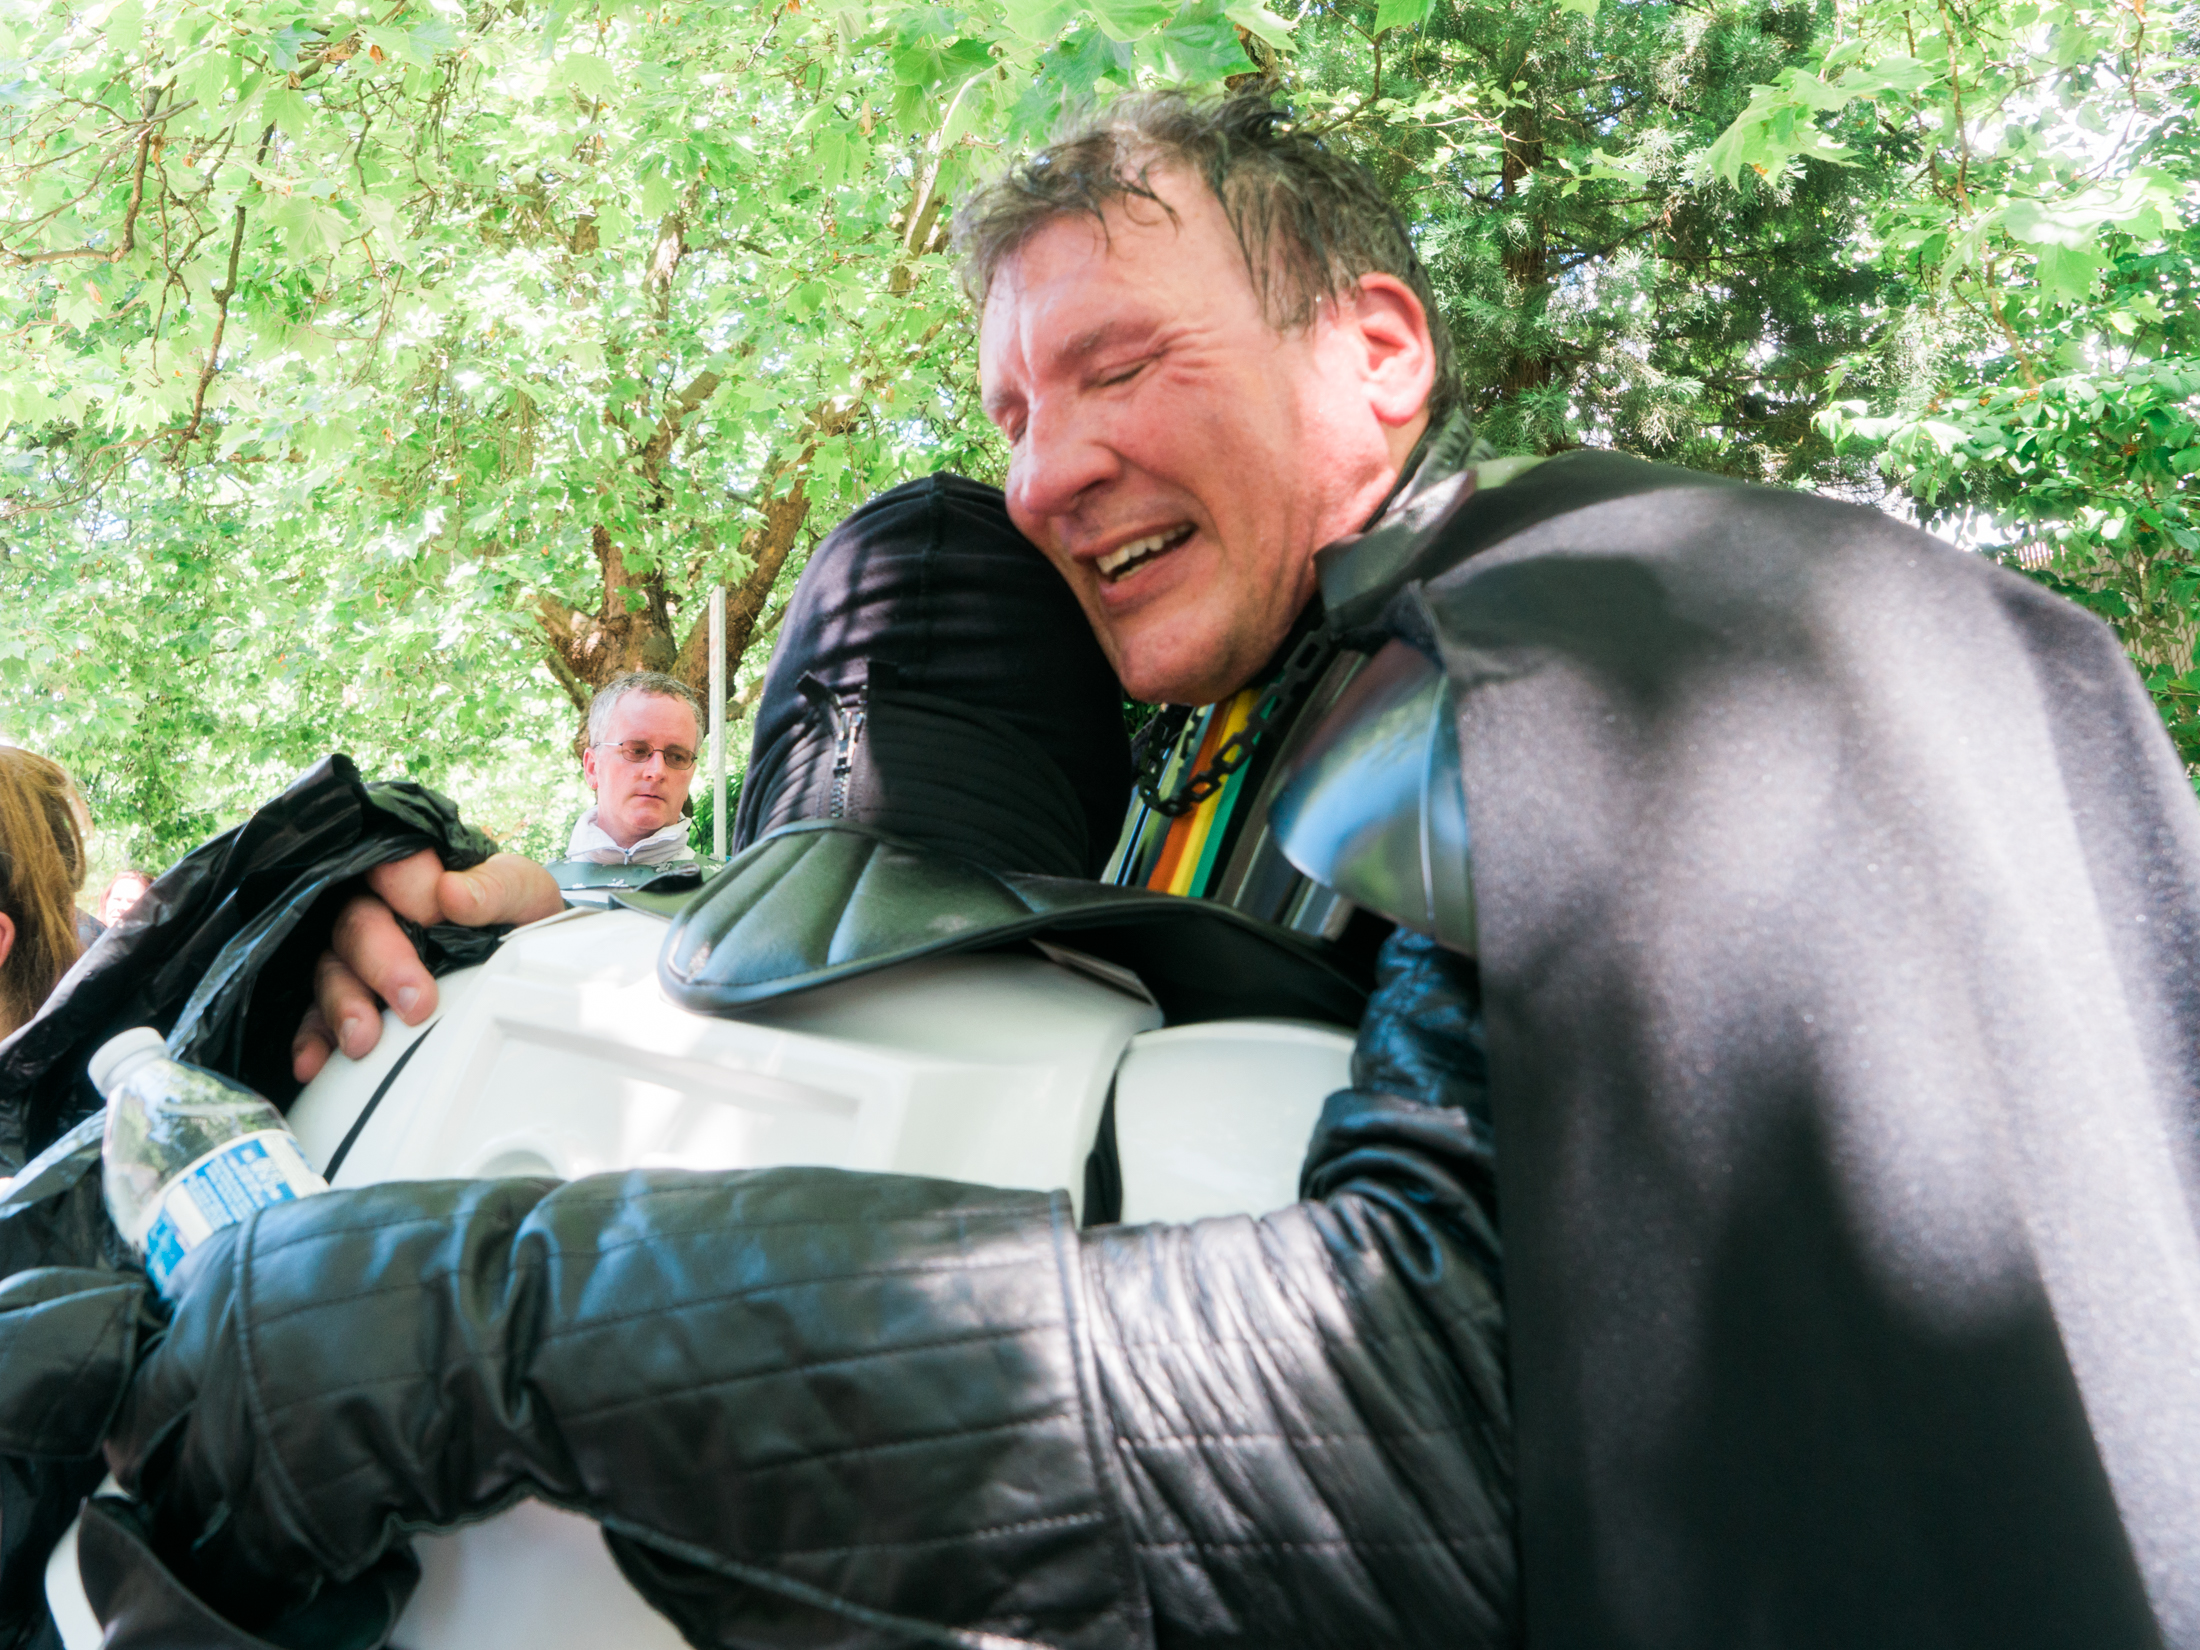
813,1407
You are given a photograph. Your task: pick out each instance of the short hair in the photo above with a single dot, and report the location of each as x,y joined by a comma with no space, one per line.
41,867
654,682
1309,221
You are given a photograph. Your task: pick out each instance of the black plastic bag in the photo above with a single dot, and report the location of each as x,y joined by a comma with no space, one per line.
219,953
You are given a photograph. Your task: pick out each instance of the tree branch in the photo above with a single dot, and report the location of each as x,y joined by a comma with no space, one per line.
559,626
682,406
137,196
221,295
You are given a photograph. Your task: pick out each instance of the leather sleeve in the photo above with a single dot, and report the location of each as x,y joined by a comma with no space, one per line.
1310,1410
828,1387
926,1410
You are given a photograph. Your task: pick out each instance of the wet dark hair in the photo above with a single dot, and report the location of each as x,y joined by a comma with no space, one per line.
1309,221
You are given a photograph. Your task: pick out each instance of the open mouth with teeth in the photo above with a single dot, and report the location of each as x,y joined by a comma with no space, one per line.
1127,559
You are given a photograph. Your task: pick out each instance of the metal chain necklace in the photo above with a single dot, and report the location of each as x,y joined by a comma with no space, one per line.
1158,740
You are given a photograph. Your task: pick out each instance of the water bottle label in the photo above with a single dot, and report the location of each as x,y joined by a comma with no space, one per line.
224,1186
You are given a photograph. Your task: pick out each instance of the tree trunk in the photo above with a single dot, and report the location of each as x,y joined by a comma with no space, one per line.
1527,255
632,627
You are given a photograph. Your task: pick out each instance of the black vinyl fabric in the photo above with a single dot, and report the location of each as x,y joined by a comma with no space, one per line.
1839,904
220,951
994,726
140,1602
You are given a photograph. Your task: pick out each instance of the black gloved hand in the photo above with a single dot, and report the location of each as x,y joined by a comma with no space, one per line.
69,1337
211,1509
807,1381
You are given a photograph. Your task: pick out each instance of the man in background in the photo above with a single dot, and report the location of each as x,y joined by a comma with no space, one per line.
125,891
644,729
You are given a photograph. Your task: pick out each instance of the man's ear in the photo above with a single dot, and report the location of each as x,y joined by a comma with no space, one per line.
588,765
7,937
1391,329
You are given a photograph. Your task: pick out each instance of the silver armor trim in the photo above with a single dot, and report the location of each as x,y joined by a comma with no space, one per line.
1373,806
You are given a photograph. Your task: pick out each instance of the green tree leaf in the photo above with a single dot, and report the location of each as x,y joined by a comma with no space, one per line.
588,74
1400,14
1129,19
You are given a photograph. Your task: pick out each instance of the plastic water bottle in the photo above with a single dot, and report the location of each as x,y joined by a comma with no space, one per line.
187,1151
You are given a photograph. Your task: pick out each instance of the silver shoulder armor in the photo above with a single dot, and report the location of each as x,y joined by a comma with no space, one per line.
1373,806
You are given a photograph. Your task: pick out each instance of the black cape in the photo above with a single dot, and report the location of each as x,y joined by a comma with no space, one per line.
1838,898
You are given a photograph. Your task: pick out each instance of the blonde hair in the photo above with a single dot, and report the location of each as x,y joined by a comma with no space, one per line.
41,867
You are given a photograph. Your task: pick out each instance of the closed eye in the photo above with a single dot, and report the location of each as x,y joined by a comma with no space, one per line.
1121,376
1008,417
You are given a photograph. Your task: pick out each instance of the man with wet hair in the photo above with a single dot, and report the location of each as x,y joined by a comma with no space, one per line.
1257,291
1820,998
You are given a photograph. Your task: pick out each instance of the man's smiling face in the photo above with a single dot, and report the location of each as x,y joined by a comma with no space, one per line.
1176,456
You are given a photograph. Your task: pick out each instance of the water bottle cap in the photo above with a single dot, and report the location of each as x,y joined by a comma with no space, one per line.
124,1049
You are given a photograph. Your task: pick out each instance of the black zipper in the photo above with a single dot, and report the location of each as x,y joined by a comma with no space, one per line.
849,714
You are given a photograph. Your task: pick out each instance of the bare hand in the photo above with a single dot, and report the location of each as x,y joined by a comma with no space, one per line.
370,962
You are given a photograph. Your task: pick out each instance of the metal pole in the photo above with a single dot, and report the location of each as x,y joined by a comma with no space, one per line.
718,720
